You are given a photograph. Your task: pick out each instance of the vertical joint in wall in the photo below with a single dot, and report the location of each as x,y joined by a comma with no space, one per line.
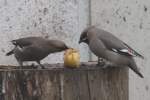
90,23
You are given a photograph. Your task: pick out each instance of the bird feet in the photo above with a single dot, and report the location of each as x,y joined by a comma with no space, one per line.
101,62
108,64
33,66
105,66
42,67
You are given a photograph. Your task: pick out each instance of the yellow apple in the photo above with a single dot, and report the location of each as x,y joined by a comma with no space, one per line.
72,58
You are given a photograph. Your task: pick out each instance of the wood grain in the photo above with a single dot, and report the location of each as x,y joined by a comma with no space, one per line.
89,82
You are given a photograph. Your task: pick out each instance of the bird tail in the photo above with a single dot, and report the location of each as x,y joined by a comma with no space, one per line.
10,52
134,67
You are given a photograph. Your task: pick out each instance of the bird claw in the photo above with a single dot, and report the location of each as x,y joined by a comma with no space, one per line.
33,66
101,62
42,67
105,66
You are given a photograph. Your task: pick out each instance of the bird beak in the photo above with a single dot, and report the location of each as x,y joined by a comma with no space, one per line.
80,41
66,47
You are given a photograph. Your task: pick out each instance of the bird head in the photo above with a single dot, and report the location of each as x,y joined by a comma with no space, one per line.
62,46
84,37
56,46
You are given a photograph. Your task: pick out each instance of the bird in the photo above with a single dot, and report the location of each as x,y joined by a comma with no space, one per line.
107,46
35,49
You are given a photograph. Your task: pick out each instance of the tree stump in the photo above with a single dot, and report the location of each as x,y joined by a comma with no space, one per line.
89,82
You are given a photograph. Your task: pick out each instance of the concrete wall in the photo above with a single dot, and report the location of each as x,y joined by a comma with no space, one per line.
130,21
57,19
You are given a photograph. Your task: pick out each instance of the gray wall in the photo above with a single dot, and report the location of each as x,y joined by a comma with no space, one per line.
56,19
130,21
65,19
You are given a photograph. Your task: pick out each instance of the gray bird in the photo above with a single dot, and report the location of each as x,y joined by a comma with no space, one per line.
35,49
105,45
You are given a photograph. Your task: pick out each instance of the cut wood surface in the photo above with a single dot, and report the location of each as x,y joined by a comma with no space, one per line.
89,82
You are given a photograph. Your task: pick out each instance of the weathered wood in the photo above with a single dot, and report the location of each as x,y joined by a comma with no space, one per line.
75,86
108,84
89,82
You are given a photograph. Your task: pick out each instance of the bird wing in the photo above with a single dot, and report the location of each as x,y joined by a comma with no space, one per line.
32,53
97,47
23,42
133,51
114,44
